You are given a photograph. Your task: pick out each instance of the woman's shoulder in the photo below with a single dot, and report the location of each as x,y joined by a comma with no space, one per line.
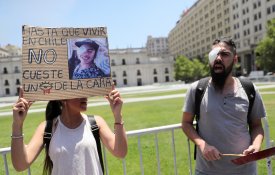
52,124
98,120
42,125
87,117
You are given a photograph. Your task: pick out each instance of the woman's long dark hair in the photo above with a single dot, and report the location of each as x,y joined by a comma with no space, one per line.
53,110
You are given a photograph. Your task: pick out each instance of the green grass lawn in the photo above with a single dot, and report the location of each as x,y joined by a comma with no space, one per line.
137,115
267,90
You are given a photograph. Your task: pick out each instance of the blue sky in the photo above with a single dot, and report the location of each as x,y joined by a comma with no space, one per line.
128,22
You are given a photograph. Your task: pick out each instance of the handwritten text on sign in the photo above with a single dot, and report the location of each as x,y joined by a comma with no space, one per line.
51,58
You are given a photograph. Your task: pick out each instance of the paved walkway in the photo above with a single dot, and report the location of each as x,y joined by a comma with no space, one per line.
129,90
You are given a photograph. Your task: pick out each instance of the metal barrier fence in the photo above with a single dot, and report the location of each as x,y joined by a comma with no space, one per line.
155,131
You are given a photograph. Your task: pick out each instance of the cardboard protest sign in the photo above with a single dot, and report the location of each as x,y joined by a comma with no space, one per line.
65,63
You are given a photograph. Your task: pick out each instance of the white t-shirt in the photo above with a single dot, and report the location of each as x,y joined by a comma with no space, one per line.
74,151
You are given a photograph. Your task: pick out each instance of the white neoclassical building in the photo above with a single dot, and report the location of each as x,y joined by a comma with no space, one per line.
10,70
130,67
133,67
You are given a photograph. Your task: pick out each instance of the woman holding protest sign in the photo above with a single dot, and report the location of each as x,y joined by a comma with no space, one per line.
72,148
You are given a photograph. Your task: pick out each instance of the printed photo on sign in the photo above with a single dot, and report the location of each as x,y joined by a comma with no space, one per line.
88,58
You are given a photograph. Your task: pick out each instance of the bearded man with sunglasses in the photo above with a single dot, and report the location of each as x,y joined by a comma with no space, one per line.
223,124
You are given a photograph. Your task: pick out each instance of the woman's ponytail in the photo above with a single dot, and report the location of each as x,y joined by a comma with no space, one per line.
53,110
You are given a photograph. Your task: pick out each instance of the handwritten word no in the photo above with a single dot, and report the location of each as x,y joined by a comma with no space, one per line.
37,58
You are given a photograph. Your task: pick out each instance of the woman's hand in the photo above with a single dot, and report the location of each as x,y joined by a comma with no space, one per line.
20,109
116,102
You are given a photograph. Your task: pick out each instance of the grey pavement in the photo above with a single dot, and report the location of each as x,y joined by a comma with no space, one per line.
8,101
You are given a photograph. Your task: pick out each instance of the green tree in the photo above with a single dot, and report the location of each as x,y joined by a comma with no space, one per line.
183,69
200,69
189,70
265,51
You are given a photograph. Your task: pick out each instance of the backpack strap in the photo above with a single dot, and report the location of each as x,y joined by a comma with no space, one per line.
200,90
94,128
95,131
48,133
250,92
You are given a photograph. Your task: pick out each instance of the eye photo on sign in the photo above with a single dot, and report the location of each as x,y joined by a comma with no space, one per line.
88,58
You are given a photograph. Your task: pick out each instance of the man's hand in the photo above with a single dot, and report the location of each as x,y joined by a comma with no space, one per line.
250,149
209,152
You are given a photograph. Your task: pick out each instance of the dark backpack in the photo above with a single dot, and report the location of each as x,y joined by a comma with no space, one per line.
94,129
200,90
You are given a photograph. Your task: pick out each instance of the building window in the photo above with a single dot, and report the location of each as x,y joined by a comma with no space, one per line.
7,91
213,36
254,5
260,26
17,82
6,82
268,10
155,79
167,79
113,63
255,17
113,74
166,70
5,70
255,28
138,72
220,33
125,81
16,70
17,91
139,82
213,28
114,81
213,19
123,62
137,61
155,71
124,73
227,20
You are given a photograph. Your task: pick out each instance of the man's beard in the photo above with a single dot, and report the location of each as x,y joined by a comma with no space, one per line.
219,79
